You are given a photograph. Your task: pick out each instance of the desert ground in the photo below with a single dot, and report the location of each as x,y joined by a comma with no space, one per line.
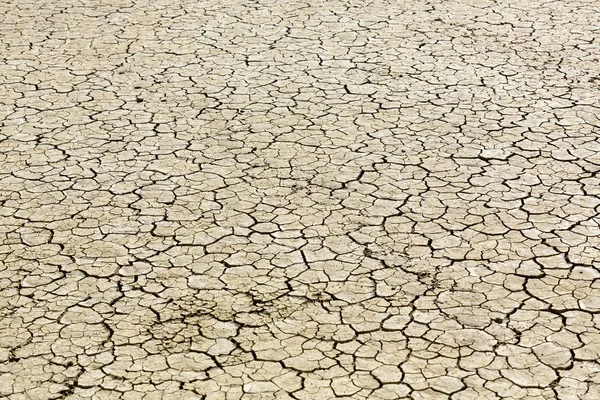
300,199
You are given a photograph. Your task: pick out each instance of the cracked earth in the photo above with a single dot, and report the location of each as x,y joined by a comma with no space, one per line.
299,200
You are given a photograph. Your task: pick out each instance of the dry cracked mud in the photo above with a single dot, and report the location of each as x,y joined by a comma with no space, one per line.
310,200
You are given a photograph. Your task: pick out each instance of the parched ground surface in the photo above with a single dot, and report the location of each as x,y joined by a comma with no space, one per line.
236,199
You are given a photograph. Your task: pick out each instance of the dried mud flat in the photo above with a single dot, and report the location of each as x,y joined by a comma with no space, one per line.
301,200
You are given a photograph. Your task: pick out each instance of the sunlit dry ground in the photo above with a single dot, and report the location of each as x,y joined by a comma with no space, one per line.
299,199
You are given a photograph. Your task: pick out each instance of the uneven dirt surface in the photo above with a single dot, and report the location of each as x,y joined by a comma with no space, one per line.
310,200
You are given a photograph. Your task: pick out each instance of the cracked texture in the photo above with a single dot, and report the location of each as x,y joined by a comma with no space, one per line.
299,200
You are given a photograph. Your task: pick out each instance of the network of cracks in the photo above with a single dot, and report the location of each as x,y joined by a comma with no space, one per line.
309,200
